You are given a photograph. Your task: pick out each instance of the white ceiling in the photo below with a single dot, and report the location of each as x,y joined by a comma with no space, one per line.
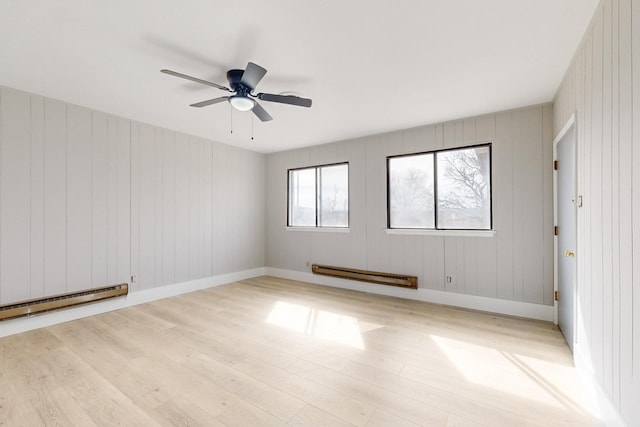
369,66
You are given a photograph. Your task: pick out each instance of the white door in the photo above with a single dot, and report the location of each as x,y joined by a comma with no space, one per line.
566,203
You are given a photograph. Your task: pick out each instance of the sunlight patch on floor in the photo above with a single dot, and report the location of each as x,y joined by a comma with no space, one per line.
321,324
527,377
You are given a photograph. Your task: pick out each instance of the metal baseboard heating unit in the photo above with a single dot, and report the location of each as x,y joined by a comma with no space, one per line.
401,280
57,302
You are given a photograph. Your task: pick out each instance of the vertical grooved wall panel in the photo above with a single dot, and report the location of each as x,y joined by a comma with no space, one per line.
168,190
635,37
625,171
515,264
547,214
55,198
182,208
88,199
194,191
135,205
533,206
112,199
99,201
37,197
79,212
602,87
123,200
503,190
596,190
615,204
249,194
515,209
606,205
147,216
487,262
15,196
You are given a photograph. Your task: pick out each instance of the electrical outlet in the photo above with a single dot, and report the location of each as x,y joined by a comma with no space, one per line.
133,278
307,263
448,281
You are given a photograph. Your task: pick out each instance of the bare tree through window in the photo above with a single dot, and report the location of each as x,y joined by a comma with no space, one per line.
333,196
462,181
411,191
319,196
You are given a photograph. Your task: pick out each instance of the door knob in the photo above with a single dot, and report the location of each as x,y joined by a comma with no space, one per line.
569,253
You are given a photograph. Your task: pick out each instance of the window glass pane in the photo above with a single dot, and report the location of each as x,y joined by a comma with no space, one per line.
333,196
411,192
302,197
464,192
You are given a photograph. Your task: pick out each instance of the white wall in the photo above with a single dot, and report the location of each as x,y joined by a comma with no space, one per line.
603,87
515,264
88,199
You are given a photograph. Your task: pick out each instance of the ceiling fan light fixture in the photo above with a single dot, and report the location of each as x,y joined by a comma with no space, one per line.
241,103
241,86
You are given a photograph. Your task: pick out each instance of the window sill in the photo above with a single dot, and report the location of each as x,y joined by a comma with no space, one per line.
320,229
450,233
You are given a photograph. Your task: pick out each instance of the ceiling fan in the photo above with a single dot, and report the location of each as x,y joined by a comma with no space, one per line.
242,83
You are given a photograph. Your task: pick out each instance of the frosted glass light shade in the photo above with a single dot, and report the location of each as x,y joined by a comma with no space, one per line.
242,103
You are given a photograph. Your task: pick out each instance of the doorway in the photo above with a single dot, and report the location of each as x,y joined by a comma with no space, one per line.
566,203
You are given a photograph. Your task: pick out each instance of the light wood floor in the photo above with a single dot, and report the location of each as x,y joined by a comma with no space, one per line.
272,352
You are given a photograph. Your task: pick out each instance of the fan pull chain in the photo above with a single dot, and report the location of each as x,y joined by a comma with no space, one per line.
231,117
252,127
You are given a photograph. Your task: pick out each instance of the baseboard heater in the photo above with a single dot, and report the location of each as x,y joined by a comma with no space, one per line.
401,280
56,302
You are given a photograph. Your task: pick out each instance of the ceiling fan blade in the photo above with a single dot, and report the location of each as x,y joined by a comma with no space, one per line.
210,102
194,79
252,75
261,113
285,99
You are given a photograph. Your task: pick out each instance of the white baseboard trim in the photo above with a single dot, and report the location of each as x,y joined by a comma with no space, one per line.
15,326
600,406
493,305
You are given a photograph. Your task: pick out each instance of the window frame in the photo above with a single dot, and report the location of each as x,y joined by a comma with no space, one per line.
421,230
317,184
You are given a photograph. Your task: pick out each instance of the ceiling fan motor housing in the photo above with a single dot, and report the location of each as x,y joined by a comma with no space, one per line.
234,77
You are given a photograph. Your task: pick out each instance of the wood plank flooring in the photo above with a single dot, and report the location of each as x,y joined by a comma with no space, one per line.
273,352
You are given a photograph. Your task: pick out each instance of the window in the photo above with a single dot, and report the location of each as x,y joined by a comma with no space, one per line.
319,196
442,190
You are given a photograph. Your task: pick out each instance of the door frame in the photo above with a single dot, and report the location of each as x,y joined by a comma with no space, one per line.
569,125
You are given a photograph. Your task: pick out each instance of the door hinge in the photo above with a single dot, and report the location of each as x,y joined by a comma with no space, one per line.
555,165
555,230
556,295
